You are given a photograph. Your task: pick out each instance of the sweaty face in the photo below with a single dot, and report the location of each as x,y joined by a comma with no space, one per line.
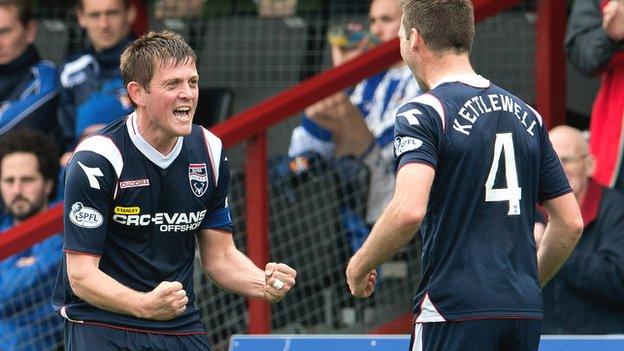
106,22
14,36
172,98
24,190
385,19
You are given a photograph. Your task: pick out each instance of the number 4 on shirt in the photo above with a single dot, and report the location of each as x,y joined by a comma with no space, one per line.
512,193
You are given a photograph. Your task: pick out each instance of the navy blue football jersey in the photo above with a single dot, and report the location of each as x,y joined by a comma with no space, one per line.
493,162
140,211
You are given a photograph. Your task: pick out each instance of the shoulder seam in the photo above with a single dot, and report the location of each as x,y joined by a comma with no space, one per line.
214,147
105,147
433,102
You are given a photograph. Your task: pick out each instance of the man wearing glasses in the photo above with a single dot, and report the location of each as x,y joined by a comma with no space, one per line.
585,297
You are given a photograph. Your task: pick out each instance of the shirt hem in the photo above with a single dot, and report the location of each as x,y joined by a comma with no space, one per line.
138,330
461,317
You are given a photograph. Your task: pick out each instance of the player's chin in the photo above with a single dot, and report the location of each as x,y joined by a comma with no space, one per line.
187,129
183,128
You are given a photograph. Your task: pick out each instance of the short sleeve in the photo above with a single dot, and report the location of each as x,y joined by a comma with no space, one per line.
218,215
553,181
417,133
89,185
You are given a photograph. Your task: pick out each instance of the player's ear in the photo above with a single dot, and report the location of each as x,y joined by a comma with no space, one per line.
415,40
136,93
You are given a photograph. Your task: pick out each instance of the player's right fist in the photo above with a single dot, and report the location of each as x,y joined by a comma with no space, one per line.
166,301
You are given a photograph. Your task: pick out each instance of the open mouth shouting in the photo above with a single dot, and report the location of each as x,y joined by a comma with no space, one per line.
183,113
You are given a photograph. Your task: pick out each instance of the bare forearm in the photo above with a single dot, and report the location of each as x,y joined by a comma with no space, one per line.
102,291
389,235
354,138
235,272
587,46
557,243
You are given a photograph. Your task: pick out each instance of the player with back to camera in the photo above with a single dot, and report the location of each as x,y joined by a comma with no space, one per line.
139,195
475,159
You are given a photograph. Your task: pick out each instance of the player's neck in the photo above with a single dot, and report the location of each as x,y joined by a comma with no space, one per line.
440,67
155,136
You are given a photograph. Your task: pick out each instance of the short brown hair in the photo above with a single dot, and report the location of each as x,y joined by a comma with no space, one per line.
139,59
444,24
24,9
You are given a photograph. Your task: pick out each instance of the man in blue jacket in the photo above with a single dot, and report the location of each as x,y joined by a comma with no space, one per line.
28,171
93,93
28,85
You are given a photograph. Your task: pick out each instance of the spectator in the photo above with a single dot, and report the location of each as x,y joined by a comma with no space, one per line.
595,44
93,93
361,124
585,297
28,85
28,170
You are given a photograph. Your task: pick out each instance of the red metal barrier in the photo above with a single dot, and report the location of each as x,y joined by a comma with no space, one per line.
550,72
257,215
31,231
252,124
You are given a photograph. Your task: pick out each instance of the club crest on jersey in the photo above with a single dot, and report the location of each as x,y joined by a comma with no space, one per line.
198,178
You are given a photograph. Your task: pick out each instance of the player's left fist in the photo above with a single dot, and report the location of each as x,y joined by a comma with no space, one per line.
279,278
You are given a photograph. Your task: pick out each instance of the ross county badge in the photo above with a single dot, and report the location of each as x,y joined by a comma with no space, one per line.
198,178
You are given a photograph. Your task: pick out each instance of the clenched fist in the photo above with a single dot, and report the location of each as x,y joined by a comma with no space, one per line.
168,300
279,279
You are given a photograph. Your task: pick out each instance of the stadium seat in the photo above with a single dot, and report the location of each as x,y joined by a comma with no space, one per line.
52,40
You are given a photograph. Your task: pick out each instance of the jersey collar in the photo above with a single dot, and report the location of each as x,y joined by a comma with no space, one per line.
474,80
148,150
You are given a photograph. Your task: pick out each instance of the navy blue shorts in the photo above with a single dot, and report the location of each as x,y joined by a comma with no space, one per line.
477,335
80,337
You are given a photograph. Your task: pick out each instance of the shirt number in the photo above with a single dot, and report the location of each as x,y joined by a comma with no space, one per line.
512,193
